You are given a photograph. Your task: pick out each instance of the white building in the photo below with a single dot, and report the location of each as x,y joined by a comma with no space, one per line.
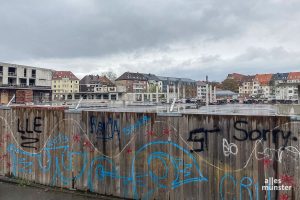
24,76
15,77
201,90
286,85
206,92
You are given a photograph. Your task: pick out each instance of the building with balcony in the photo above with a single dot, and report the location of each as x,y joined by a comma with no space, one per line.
201,89
15,77
98,87
288,87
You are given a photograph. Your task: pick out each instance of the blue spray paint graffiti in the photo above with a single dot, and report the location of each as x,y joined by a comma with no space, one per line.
105,130
127,130
57,157
246,186
168,163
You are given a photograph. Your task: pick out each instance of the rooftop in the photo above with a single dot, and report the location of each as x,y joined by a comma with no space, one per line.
58,75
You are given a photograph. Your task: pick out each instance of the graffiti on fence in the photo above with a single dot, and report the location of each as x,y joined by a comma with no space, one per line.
29,131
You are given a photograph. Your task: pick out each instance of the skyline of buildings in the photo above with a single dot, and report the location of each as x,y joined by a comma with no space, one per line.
49,85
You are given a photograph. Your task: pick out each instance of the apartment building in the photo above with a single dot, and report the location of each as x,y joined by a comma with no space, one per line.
279,81
98,87
263,87
64,85
279,86
15,77
201,90
206,91
153,83
288,88
248,86
133,82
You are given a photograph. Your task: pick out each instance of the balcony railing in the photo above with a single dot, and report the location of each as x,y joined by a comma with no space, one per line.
12,74
14,85
33,75
1,73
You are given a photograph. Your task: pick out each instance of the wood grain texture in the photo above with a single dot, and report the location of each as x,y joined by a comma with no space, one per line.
145,156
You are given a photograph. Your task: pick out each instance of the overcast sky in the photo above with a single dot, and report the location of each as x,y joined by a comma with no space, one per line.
183,38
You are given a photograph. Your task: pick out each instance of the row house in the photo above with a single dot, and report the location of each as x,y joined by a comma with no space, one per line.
279,86
256,86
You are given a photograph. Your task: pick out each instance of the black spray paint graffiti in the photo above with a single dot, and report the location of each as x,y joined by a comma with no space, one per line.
263,134
104,130
200,135
195,136
28,135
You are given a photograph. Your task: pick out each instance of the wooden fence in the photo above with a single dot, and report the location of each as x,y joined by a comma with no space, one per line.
146,156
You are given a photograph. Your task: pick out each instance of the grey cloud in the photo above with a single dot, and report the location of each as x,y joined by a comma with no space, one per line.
252,61
66,29
79,35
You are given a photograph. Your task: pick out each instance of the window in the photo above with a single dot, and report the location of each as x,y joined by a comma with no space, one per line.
33,73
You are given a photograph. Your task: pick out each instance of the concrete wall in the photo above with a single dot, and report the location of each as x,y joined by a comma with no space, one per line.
146,156
43,76
288,109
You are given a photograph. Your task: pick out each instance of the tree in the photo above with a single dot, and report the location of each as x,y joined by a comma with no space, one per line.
112,76
230,84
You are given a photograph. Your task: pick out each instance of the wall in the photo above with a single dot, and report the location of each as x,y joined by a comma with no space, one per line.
146,156
288,109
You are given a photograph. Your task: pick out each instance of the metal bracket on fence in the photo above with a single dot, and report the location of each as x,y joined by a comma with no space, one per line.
172,105
78,103
11,100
